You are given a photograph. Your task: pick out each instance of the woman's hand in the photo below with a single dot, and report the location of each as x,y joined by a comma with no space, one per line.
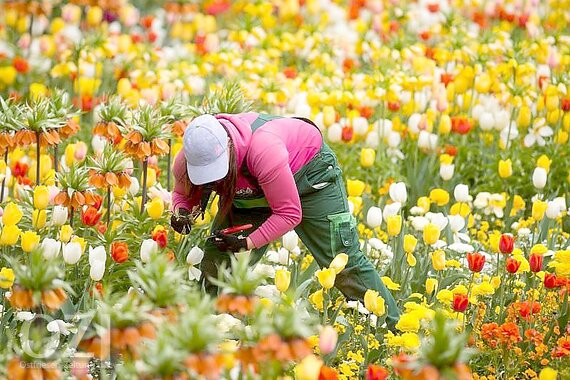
230,243
181,221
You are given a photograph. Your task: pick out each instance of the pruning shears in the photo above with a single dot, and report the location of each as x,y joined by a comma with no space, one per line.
232,230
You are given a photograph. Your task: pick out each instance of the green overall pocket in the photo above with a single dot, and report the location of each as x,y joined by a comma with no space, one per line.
318,173
343,232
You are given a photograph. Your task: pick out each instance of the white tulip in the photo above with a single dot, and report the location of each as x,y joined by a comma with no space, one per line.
98,144
414,122
561,203
194,273
360,126
461,193
290,240
97,255
195,256
97,270
394,139
427,141
477,111
135,186
50,248
384,126
419,223
372,140
391,209
456,223
553,210
60,327
486,121
278,257
71,252
398,192
148,248
334,133
59,215
446,171
539,178
374,217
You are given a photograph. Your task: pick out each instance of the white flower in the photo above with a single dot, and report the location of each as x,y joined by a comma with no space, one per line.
59,326
446,171
50,248
59,215
537,133
414,122
264,270
278,257
134,188
267,291
438,219
97,255
553,209
148,248
97,270
461,247
486,121
461,193
394,139
509,133
290,240
25,316
427,141
374,217
98,144
71,252
225,322
359,124
539,178
334,133
419,223
391,209
372,140
194,257
398,192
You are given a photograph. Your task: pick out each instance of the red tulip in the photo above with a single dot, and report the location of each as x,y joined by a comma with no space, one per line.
535,262
347,133
90,217
460,302
376,372
119,251
21,65
513,265
476,261
565,104
160,237
550,281
506,243
327,373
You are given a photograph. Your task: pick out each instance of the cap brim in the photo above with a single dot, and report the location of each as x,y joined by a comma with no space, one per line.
215,171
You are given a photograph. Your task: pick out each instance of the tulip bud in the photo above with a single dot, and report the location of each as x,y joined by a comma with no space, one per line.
290,240
460,302
30,240
65,233
148,248
339,262
398,192
410,243
553,210
59,215
461,193
326,277
327,340
309,368
550,281
39,218
374,302
334,133
505,168
538,210
506,243
374,217
535,261
10,235
282,279
394,224
446,171
50,248
438,259
97,254
155,208
41,197
431,234
431,285
355,188
12,214
476,261
367,157
72,253
97,270
512,265
539,178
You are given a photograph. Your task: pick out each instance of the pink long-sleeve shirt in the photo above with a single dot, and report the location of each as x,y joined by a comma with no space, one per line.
276,151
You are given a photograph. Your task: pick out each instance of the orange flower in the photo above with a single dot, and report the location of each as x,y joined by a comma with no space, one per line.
69,129
53,299
509,334
6,141
108,130
562,347
21,65
235,304
327,373
21,298
119,251
178,128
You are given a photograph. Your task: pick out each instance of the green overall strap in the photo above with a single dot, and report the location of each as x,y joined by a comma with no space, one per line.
261,120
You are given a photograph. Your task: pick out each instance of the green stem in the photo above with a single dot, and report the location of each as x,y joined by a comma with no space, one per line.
144,184
108,205
38,158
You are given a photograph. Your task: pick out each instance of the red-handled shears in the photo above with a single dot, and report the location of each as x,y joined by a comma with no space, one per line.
233,230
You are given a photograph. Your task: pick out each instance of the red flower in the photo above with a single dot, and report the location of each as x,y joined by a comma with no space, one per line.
90,217
217,7
535,261
160,237
563,347
446,78
19,169
290,72
347,133
376,372
97,201
393,106
525,309
550,281
147,21
102,227
506,243
476,261
460,302
451,150
460,125
513,265
327,373
565,104
119,251
433,7
21,65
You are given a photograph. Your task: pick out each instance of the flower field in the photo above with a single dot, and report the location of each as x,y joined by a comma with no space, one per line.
451,122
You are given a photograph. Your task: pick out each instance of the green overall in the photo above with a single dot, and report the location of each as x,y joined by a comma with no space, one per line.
327,228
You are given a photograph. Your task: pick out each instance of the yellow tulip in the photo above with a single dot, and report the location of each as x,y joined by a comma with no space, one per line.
39,218
374,302
151,177
329,115
444,125
431,234
411,259
41,197
38,90
12,214
494,240
524,117
552,102
367,157
317,299
431,285
538,210
394,223
155,208
282,279
94,15
10,235
438,259
548,374
65,233
356,203
410,243
355,188
389,283
505,168
8,75
483,83
6,278
309,368
544,162
30,240
339,262
439,197
326,277
424,203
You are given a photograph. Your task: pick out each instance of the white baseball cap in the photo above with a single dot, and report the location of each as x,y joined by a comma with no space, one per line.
206,150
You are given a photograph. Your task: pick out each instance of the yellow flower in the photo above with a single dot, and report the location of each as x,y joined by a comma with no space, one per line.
374,302
411,259
367,157
390,284
309,368
438,259
410,340
355,188
30,240
446,159
410,243
431,234
544,162
317,299
356,203
444,125
408,322
8,75
41,197
548,374
394,223
431,285
525,116
326,277
10,235
561,263
494,239
81,242
65,233
38,90
339,262
12,214
39,218
460,208
94,15
439,196
6,278
538,210
538,249
155,208
505,168
445,296
424,203
483,83
282,279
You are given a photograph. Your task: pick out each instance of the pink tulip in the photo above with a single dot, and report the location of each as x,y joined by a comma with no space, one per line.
80,151
328,340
